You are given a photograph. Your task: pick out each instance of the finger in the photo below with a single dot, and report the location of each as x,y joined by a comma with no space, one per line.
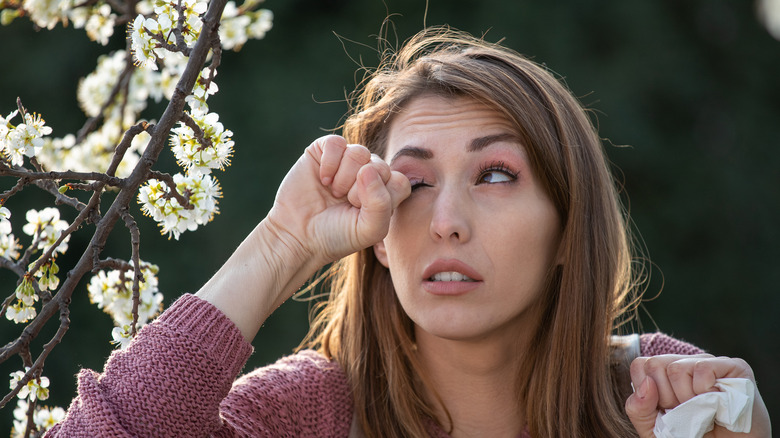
397,185
680,375
332,147
376,207
382,169
399,188
706,371
353,159
381,166
642,407
656,368
637,371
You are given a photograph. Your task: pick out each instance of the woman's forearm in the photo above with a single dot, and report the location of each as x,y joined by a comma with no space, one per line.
259,276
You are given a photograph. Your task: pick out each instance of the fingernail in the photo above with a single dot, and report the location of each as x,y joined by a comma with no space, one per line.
327,180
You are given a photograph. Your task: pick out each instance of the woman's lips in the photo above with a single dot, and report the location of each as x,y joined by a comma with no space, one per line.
450,277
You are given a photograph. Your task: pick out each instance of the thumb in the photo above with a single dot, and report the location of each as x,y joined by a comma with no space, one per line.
642,408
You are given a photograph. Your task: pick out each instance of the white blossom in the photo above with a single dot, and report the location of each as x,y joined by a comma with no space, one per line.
100,24
233,27
112,291
95,88
201,91
5,224
20,313
144,45
78,16
95,152
25,139
35,389
47,275
46,13
198,158
121,336
46,226
174,219
9,245
262,21
43,418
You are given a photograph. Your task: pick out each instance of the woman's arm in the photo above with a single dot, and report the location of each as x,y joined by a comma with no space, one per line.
170,381
337,199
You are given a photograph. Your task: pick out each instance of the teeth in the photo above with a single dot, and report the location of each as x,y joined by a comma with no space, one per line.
450,276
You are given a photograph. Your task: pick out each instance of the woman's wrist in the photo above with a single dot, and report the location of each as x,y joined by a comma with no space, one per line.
265,270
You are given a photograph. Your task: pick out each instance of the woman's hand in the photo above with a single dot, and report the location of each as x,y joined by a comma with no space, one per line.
665,381
337,199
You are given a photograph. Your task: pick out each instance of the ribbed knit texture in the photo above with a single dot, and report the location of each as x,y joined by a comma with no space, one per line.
176,379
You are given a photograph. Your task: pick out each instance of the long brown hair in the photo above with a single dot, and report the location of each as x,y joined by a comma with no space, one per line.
566,380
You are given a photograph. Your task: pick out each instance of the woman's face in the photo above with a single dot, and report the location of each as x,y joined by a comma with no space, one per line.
470,249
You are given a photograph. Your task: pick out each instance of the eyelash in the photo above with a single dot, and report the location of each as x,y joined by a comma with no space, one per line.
497,166
417,184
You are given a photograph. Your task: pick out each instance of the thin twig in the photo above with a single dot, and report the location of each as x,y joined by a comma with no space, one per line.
92,123
173,192
112,263
199,134
135,242
124,145
75,225
13,190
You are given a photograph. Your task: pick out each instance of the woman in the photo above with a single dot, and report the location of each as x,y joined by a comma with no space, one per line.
484,265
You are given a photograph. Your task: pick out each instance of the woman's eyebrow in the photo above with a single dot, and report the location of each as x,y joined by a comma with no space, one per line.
476,145
413,152
482,142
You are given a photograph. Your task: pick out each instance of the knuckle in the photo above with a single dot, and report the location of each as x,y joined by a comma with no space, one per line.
333,143
334,140
654,365
742,367
702,366
358,154
638,365
676,370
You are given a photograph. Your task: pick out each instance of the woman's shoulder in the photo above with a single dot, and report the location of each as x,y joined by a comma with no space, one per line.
303,394
653,344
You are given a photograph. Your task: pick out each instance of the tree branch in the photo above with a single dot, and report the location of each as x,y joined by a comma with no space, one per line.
61,300
56,176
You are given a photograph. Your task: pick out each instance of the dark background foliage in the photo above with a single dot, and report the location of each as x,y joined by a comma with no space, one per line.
685,93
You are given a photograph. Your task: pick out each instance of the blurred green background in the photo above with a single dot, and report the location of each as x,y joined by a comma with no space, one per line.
687,97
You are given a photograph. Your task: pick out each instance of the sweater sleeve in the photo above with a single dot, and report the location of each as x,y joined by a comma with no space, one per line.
304,394
168,382
653,344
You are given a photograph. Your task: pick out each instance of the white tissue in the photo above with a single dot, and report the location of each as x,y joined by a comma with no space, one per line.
731,407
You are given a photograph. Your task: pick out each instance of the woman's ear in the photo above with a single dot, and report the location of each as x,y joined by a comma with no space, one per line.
381,253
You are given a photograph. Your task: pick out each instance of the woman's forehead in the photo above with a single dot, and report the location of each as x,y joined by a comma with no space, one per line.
435,118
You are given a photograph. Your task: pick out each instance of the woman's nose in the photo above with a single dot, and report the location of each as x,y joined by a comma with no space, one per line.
450,217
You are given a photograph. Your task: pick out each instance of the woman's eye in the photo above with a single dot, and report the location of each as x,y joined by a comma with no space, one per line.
418,183
493,176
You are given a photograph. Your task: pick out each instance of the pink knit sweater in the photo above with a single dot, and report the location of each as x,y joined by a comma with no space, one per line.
177,379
